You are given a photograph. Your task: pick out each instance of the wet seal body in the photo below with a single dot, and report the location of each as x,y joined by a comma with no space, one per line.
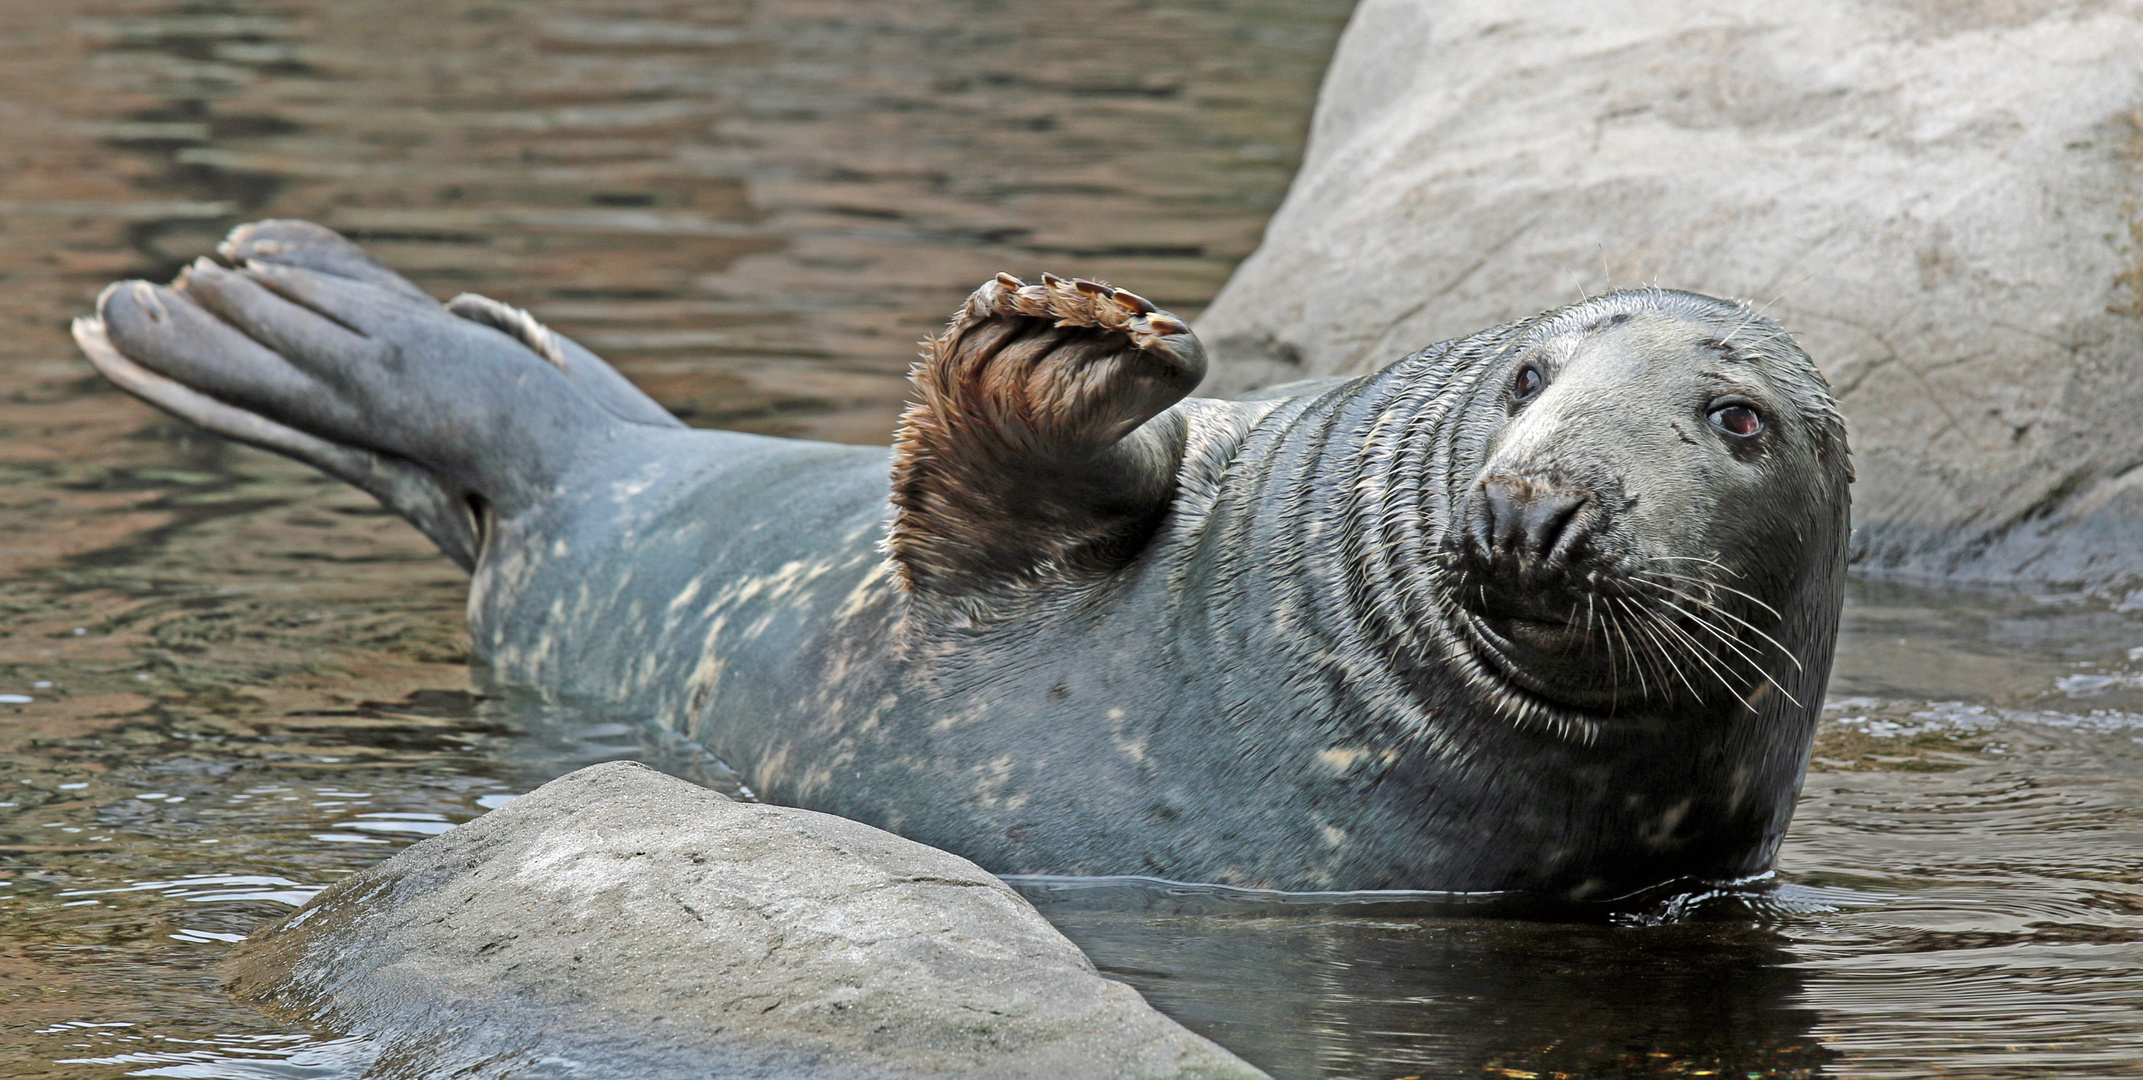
1549,608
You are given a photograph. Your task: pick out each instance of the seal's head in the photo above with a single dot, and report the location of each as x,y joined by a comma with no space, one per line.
1657,479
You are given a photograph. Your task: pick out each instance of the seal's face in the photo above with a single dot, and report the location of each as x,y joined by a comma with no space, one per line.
1647,504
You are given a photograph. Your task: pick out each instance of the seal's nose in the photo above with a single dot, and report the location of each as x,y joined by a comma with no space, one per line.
1530,521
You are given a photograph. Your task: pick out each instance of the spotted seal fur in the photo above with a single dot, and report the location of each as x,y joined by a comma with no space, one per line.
1549,608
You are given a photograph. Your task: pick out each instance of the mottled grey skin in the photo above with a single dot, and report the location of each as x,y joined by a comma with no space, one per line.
1280,688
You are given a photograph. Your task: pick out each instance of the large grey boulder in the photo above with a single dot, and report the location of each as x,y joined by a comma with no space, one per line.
619,923
1941,200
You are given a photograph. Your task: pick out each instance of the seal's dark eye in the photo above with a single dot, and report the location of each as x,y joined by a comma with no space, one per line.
1738,420
1527,385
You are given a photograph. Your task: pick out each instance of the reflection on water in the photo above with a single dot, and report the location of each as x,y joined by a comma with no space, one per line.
1384,997
226,682
228,1057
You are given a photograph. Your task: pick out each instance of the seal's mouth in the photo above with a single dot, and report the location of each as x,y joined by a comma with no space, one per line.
1549,626
1545,635
1564,644
1531,610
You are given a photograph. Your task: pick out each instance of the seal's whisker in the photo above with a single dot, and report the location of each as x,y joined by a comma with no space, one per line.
1681,643
1740,650
1708,560
1751,315
1724,637
1590,604
1702,561
1752,660
1651,650
1607,647
1632,650
1666,662
1698,607
1701,655
1749,318
1710,584
1643,690
1737,646
1752,627
1570,619
1696,613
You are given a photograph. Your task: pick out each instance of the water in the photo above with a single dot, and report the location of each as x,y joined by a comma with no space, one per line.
245,682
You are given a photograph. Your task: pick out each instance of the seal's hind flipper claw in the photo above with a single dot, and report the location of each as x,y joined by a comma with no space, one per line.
601,382
362,307
1133,302
164,331
314,247
301,334
513,321
1165,326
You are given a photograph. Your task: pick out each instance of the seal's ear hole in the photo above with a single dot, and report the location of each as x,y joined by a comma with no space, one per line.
1528,383
1737,419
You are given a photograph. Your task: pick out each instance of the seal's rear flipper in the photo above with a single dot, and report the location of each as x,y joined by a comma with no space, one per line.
312,349
289,242
399,485
1039,449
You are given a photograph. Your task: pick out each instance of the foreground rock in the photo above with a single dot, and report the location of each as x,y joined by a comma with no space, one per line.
1941,201
619,923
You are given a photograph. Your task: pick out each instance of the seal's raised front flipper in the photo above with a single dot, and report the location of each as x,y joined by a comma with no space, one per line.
1039,449
311,349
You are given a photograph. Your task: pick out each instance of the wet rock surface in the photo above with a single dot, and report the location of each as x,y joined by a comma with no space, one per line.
1941,201
617,922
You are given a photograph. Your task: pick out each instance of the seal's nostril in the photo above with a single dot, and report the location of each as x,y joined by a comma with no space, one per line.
1526,521
1503,505
1548,520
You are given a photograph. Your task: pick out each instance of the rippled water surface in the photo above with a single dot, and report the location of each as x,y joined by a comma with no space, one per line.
226,682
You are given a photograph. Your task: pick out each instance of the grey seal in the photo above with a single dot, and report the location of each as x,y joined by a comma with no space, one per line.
1546,609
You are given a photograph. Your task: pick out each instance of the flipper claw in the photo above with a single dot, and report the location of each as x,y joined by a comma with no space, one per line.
1133,302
